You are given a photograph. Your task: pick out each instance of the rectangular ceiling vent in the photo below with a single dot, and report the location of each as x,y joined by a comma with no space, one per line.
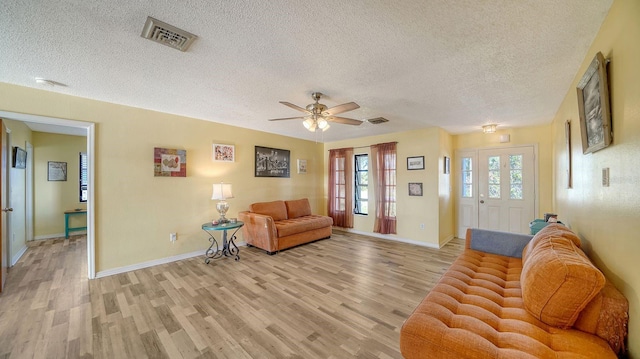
377,120
158,31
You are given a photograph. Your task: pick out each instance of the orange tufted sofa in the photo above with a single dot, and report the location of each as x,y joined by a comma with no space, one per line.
550,303
278,225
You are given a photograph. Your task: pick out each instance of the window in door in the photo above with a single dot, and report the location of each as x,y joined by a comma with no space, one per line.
494,177
515,174
84,179
467,177
362,184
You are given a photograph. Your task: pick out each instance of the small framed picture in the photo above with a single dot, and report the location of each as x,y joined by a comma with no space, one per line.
415,163
224,153
57,171
19,158
302,166
446,165
415,189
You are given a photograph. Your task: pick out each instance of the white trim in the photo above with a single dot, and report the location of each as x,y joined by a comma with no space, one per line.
55,235
147,264
154,262
90,132
18,255
389,237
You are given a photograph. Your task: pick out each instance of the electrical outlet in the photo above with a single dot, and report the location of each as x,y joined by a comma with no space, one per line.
605,177
173,237
421,225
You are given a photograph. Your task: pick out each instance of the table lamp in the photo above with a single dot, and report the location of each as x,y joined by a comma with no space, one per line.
222,191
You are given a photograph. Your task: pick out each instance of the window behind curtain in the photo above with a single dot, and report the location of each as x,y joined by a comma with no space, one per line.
340,205
362,184
384,168
84,177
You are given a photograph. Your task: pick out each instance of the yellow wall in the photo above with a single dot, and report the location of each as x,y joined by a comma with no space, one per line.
608,218
52,198
412,211
135,211
20,134
538,135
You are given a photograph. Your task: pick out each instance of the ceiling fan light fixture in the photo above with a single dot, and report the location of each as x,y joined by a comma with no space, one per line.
325,128
322,123
308,123
489,128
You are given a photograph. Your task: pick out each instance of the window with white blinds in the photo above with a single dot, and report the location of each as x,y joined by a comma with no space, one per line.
84,177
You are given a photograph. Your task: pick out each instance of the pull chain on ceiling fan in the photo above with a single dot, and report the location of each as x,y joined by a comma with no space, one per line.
319,115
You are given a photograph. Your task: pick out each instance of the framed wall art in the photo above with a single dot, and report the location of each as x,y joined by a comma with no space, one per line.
446,165
567,142
415,163
19,158
415,189
169,162
272,162
224,153
593,106
302,166
56,171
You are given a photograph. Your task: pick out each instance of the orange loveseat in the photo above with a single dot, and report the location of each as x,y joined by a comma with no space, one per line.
550,303
278,225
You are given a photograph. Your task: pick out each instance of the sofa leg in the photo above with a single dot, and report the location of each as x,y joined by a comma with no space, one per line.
271,253
249,245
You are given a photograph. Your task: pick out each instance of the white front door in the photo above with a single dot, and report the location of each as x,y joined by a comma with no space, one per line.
506,189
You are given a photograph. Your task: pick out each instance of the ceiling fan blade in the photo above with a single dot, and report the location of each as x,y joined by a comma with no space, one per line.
295,107
344,120
349,106
287,118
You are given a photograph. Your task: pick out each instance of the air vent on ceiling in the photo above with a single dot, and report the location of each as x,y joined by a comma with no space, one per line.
158,31
377,120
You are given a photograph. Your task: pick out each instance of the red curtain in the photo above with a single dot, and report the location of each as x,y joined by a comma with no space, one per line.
383,161
341,187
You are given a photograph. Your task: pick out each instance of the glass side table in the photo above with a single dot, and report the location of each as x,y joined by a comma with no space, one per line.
229,248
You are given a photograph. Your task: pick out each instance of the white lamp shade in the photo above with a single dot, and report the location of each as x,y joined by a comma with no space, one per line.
222,191
322,123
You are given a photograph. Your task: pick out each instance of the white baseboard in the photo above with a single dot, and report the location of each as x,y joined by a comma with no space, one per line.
154,262
58,235
389,237
18,255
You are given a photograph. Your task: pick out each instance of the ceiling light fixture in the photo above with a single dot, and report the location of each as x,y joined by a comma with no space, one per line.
43,81
489,128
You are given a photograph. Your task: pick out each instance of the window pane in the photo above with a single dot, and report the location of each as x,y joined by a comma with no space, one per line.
516,176
364,193
363,178
364,207
494,191
467,191
84,177
516,191
361,193
494,163
466,164
466,177
515,162
494,177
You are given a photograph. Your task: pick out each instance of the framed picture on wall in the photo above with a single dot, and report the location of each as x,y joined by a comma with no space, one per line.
272,162
224,153
56,171
415,189
415,163
593,106
19,158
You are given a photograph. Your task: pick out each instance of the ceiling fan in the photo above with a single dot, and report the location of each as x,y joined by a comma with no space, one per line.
319,115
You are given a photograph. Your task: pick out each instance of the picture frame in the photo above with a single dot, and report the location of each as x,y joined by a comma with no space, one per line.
446,165
415,163
224,153
302,166
169,162
567,140
272,162
593,106
56,171
415,188
19,158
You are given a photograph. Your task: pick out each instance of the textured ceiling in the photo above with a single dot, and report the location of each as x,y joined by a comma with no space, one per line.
454,64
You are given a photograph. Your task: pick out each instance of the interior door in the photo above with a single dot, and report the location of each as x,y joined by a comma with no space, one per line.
506,189
4,257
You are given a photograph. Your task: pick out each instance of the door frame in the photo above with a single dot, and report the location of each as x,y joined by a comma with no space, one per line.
90,129
536,176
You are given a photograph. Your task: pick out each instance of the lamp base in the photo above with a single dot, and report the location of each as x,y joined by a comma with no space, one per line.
222,208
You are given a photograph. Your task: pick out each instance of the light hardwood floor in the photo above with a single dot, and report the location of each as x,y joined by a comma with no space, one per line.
345,297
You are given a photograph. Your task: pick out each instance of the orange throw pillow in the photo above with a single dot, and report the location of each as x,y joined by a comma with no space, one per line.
557,279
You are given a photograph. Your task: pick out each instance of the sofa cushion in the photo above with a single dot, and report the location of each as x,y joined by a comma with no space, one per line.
276,209
298,208
302,224
554,229
557,279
